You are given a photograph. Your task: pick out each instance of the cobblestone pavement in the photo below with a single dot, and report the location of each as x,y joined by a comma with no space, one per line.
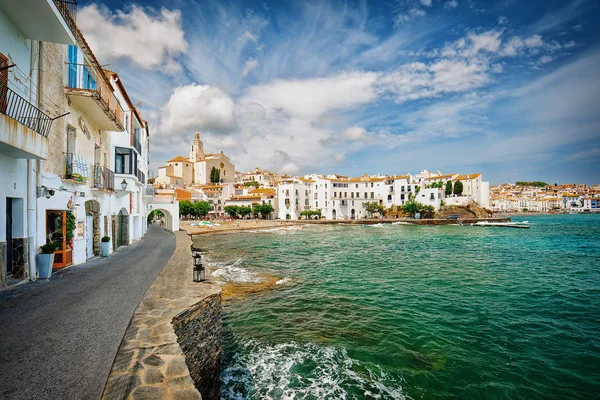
150,363
59,337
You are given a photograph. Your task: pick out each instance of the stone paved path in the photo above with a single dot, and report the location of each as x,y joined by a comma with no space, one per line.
59,338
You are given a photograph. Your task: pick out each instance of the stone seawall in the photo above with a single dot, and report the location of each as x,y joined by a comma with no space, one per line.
172,346
199,335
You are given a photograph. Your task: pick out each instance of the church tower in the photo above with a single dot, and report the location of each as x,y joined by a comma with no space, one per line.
197,149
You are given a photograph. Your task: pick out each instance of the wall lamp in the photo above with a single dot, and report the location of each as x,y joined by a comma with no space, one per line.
45,192
124,185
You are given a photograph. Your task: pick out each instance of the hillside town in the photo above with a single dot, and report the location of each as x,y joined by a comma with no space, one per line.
337,197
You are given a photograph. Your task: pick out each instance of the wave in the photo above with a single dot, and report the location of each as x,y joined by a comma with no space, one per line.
232,272
280,371
283,281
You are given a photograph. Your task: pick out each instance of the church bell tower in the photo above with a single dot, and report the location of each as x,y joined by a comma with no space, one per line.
197,149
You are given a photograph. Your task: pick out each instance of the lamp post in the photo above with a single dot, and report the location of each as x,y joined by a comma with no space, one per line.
124,184
199,273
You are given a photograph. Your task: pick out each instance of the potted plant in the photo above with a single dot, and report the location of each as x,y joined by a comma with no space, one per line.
105,245
45,260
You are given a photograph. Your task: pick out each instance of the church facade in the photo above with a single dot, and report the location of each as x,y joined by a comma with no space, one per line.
196,169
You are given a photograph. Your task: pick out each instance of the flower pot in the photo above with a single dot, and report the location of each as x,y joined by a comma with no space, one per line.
44,265
105,248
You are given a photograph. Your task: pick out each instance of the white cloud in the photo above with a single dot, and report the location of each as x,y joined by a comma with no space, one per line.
417,12
449,5
516,44
310,98
249,66
148,39
502,20
355,133
426,3
418,80
545,59
196,108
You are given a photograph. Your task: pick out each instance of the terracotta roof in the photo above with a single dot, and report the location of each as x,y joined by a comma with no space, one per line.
270,191
466,177
179,158
398,177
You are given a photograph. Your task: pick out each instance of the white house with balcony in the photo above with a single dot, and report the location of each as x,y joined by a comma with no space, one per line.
26,122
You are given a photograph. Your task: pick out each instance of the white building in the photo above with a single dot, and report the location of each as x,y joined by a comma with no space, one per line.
26,121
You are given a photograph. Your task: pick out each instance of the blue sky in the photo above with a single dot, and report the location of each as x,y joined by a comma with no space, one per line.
506,88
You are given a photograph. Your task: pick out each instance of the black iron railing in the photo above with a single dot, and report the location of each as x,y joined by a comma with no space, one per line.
16,107
68,8
137,145
104,178
141,176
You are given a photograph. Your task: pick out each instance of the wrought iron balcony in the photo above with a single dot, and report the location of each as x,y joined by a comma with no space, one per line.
16,107
141,176
68,9
104,178
87,89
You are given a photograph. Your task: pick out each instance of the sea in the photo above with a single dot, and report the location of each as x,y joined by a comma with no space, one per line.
399,311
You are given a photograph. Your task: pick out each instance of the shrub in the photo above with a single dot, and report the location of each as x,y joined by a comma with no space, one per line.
49,248
106,239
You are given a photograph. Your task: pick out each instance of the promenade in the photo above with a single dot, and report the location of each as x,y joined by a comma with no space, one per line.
59,337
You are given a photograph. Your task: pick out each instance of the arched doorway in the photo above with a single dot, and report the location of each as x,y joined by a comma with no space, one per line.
333,214
92,212
121,228
353,214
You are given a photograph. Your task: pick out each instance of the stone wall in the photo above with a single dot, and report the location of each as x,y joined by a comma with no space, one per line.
198,331
172,346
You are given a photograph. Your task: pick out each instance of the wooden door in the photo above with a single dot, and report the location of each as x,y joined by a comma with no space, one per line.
56,231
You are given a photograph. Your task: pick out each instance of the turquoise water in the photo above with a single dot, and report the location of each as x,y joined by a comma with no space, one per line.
420,312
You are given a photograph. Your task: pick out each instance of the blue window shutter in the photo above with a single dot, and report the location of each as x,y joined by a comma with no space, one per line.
73,66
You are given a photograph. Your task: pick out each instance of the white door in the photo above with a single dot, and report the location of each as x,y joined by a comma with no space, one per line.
89,227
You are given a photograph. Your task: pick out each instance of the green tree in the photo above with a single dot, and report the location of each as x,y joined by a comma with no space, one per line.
201,208
458,188
233,211
449,188
374,207
215,175
412,207
185,208
256,209
266,210
244,211
159,214
252,183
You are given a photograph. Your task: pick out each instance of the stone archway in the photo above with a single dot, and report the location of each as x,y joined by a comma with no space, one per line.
120,228
92,207
334,214
353,214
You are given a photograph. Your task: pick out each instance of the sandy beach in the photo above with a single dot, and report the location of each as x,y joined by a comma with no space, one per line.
235,225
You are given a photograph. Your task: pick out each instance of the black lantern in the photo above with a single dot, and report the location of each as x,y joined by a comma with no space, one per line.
124,185
199,274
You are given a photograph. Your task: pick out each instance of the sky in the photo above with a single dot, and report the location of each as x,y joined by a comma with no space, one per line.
510,89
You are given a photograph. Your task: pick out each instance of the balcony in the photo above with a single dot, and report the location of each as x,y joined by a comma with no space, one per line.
94,97
43,20
148,191
23,128
136,144
77,169
104,178
141,176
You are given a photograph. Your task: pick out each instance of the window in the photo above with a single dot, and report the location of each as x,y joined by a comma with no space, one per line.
366,195
389,197
371,184
325,186
352,193
125,161
372,195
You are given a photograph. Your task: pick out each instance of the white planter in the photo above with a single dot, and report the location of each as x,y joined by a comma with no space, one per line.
105,248
44,265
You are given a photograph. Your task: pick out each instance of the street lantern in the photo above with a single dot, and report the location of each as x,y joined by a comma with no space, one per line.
124,184
199,273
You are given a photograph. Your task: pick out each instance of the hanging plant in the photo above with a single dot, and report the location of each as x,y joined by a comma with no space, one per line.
70,226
